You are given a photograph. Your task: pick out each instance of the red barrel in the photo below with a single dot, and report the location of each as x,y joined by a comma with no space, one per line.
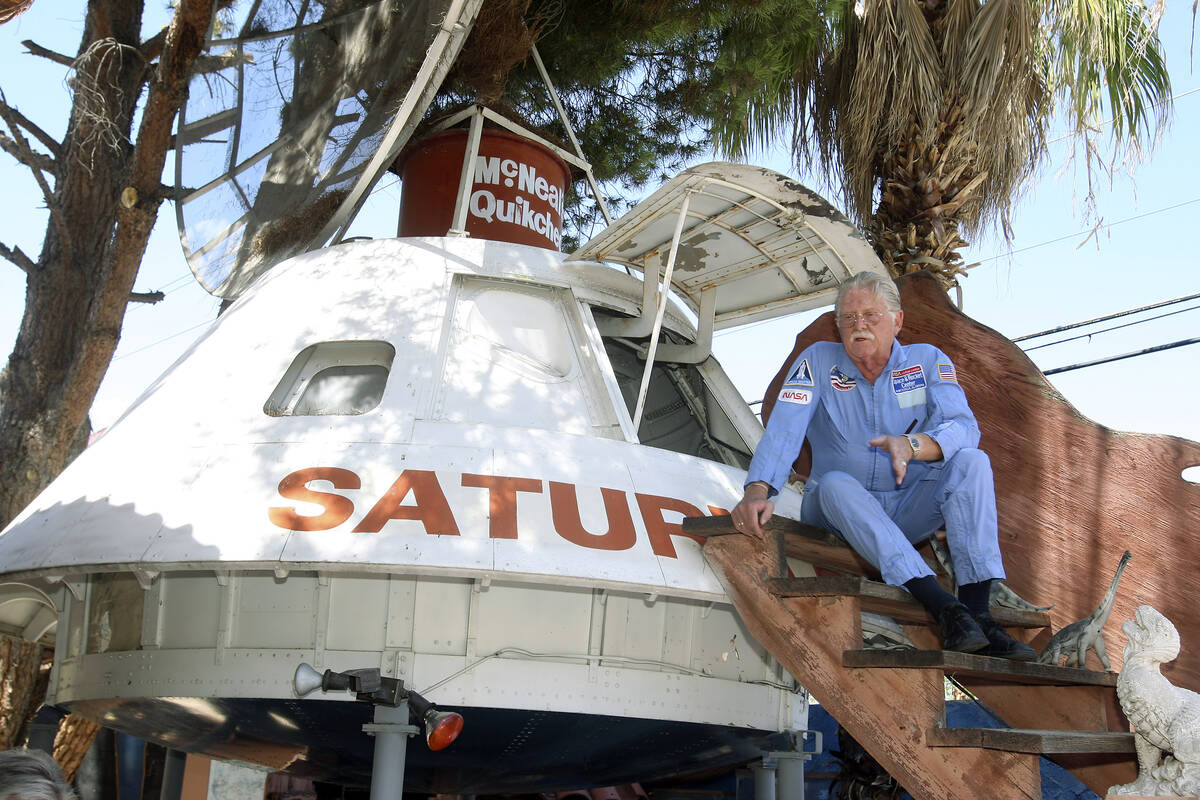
517,195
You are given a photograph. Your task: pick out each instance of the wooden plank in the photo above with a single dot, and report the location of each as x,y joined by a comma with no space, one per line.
976,666
892,601
1074,708
1032,741
887,711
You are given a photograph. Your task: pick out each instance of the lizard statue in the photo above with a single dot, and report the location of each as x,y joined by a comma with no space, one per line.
1074,640
1165,718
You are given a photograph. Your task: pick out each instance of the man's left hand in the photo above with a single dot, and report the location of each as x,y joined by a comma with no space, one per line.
900,451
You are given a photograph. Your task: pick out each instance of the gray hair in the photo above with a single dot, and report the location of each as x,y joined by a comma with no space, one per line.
880,286
32,775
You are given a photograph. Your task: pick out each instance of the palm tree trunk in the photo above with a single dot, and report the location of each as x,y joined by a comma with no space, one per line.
927,181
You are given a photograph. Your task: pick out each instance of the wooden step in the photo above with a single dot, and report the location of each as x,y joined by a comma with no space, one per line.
967,665
1032,741
805,542
891,601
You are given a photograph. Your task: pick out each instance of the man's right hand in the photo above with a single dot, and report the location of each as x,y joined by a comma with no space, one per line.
753,511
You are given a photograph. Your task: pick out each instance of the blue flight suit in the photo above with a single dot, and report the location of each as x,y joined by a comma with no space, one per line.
852,489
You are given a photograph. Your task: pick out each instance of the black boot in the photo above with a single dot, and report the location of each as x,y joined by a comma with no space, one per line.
960,631
1000,644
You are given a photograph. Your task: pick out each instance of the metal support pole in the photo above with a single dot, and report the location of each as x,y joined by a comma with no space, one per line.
391,731
764,779
662,309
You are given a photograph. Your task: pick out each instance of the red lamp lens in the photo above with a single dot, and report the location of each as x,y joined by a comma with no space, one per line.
442,728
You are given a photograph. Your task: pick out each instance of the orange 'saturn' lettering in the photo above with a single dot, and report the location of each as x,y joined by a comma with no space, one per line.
564,509
502,500
431,507
661,531
295,487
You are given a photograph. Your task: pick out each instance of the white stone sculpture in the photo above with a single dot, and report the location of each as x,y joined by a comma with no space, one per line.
1165,718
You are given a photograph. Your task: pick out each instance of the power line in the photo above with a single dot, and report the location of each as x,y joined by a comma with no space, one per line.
164,339
1147,351
1089,231
1090,334
1105,318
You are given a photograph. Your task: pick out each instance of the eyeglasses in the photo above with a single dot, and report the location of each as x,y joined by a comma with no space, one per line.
869,317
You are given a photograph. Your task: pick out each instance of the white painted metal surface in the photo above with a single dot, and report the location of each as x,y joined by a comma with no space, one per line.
490,531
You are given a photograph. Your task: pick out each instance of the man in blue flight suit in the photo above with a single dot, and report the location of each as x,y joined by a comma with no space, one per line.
894,458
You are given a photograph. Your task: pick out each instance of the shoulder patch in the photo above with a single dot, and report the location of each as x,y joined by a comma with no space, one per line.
840,380
801,397
801,375
946,372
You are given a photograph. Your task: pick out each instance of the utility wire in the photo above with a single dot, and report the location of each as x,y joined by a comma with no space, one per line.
1090,230
1099,361
1090,334
1107,317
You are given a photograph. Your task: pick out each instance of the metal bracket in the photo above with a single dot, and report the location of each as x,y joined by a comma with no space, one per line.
702,348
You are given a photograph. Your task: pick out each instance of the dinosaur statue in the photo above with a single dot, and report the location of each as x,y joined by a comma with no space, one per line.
1165,718
1074,640
1001,594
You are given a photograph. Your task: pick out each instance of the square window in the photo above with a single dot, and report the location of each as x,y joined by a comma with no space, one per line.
333,378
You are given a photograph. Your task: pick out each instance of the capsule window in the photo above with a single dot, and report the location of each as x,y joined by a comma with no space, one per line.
333,378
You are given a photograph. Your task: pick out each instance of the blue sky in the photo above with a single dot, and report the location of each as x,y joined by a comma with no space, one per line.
1144,254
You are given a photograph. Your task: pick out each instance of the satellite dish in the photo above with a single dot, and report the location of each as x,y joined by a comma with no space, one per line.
302,107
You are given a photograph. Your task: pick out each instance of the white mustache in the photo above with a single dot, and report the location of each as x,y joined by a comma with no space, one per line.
862,336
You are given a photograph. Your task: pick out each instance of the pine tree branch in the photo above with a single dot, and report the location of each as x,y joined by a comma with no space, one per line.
18,257
172,194
31,159
152,47
6,113
58,58
51,144
146,297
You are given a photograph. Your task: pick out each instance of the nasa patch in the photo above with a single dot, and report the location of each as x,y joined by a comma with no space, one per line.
840,380
800,397
801,375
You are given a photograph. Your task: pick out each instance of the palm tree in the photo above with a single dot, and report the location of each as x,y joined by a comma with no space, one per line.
933,114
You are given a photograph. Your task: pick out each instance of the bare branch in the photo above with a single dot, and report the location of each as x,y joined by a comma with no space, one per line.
152,47
46,139
172,194
146,297
30,158
6,113
18,257
37,50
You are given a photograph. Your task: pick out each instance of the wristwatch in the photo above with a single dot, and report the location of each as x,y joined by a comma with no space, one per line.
914,443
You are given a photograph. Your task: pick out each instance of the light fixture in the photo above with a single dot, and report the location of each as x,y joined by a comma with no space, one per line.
369,686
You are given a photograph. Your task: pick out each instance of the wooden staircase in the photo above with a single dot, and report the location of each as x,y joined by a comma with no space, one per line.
892,701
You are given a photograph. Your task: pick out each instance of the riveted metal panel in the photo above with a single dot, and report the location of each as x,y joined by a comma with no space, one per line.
190,611
357,613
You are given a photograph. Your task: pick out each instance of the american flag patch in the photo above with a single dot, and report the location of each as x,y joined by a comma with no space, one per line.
946,372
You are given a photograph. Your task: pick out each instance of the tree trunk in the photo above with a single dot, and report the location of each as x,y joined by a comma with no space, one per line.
926,183
71,743
20,668
106,199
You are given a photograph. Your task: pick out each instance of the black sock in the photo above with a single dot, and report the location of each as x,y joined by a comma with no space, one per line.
976,596
930,594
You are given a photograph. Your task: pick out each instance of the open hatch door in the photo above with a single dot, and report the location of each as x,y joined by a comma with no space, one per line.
762,244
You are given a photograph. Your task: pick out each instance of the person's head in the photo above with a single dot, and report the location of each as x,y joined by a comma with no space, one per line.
868,317
32,775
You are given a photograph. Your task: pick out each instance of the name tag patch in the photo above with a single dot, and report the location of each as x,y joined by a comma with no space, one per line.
841,381
800,397
801,375
909,386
